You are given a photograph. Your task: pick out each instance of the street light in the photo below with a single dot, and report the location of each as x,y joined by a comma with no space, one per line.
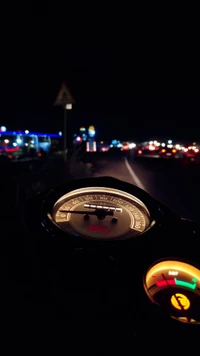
68,106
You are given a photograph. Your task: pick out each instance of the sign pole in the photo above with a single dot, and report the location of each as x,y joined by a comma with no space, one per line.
65,99
65,131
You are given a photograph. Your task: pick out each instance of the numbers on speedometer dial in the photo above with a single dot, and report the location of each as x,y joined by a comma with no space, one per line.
101,213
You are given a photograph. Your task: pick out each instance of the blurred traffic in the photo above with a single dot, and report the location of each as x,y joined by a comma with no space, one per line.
17,145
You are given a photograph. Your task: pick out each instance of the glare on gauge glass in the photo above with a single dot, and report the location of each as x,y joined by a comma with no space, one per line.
100,213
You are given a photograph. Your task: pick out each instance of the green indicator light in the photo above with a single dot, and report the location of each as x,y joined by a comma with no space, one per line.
185,284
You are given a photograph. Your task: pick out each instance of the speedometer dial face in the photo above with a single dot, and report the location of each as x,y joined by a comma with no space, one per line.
175,286
100,213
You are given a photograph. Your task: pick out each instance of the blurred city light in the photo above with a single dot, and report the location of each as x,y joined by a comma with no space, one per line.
132,145
79,139
91,131
82,129
3,128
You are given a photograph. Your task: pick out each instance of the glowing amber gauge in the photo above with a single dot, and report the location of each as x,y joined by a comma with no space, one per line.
175,286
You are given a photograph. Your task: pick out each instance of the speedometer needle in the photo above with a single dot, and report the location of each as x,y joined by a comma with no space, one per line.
100,214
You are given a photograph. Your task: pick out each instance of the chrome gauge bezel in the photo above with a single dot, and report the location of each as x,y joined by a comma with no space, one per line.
141,197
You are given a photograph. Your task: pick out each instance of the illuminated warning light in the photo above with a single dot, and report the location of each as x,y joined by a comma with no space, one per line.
139,152
185,284
163,151
99,228
180,301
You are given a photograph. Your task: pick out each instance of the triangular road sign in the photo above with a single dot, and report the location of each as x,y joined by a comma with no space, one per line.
64,96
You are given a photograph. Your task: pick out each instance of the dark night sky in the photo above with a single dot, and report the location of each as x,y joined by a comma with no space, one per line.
126,89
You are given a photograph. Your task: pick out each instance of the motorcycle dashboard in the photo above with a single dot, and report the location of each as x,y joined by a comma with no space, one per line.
108,250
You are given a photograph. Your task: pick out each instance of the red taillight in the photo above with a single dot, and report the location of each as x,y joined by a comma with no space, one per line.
39,154
139,152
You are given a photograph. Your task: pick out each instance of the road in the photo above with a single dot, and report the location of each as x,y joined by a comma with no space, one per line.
173,182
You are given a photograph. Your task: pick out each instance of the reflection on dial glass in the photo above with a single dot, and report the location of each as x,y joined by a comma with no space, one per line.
100,213
175,286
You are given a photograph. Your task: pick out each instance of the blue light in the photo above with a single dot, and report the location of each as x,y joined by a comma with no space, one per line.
30,133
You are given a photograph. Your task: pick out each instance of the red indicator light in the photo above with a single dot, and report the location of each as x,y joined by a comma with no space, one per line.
139,152
99,228
165,282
